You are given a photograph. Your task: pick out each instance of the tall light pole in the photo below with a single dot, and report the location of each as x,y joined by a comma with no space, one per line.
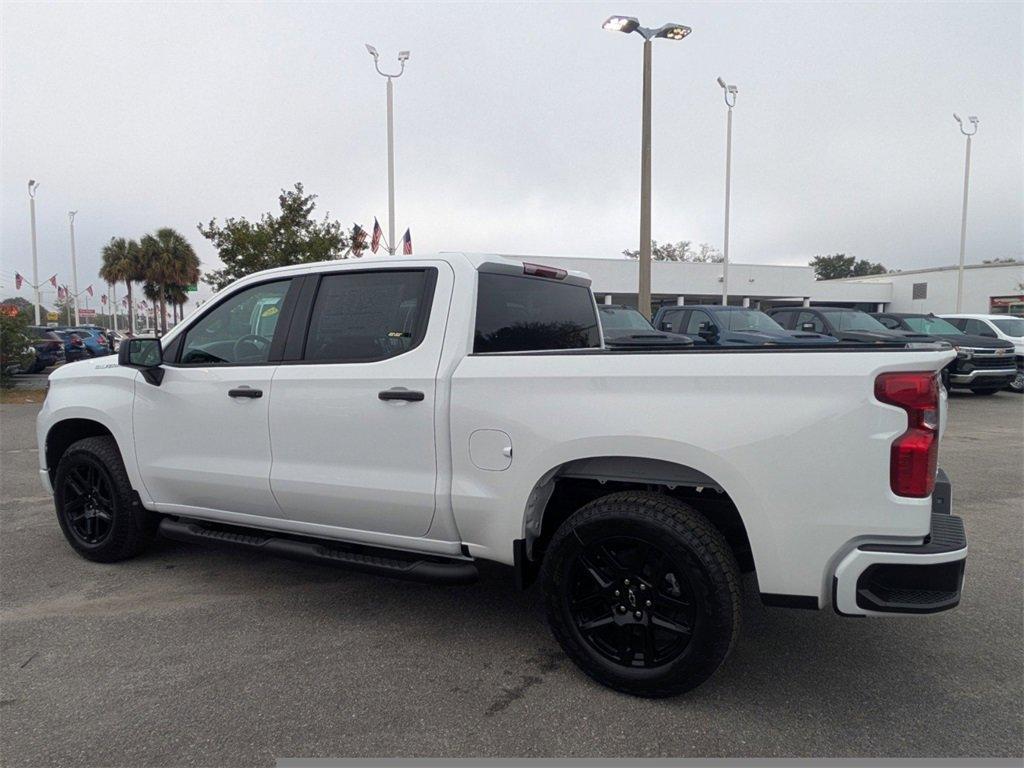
33,185
74,264
730,92
403,56
629,24
968,132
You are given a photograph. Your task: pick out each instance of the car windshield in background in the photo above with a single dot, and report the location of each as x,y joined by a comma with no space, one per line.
748,320
933,325
623,319
855,321
1011,326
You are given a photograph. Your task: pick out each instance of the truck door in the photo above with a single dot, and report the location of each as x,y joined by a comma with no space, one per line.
201,437
352,417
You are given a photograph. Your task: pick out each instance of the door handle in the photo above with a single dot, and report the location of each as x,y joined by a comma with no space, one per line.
245,392
400,394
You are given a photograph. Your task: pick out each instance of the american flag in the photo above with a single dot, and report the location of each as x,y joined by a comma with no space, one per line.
378,233
62,292
89,290
18,280
103,299
358,239
407,244
53,281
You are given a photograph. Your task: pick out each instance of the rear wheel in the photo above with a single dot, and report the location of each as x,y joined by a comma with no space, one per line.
96,507
642,592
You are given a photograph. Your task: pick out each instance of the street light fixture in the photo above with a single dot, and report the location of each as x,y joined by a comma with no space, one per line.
403,56
629,24
729,91
968,132
33,185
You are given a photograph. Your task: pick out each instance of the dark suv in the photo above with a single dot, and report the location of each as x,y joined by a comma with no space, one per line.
845,324
49,347
983,365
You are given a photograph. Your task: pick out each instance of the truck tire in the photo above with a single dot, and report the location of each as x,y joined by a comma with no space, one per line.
642,593
96,506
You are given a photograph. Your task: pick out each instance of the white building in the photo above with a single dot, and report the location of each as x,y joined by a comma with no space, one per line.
987,287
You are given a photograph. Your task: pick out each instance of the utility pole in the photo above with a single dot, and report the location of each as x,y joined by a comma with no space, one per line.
730,101
403,56
33,185
968,132
629,24
74,265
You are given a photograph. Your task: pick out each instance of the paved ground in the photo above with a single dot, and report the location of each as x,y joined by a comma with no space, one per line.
187,657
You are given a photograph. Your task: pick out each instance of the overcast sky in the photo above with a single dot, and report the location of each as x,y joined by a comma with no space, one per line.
517,126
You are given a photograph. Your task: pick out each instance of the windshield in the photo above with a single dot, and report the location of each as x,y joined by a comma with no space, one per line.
748,320
932,325
855,321
1011,326
623,319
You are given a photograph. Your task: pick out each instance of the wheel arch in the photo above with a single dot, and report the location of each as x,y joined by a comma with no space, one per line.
64,433
568,486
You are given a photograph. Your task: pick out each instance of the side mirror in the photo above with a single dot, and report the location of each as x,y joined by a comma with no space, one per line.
807,327
708,332
145,354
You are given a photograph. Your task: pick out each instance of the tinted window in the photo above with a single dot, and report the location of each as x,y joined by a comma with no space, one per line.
1011,326
891,322
784,319
623,319
959,322
978,328
696,321
854,320
238,330
813,319
520,314
670,320
748,320
931,325
364,316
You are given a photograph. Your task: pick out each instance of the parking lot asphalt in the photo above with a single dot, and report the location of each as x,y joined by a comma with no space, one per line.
194,656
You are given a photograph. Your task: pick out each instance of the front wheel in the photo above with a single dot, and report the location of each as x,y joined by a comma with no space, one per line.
642,593
96,507
1017,385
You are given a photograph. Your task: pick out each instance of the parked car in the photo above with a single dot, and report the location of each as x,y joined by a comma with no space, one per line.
983,365
49,347
74,346
95,341
626,327
1004,327
728,326
115,338
489,423
19,357
849,325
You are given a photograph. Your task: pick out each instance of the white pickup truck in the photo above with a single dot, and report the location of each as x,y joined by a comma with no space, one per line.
411,416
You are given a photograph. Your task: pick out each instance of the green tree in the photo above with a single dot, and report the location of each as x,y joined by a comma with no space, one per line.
291,237
680,251
838,265
169,260
121,261
14,346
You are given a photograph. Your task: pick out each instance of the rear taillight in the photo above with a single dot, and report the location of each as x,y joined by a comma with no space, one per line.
914,455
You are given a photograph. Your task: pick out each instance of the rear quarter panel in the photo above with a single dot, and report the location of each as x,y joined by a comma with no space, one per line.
797,440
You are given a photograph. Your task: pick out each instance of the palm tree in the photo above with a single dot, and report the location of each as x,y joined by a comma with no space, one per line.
122,262
170,260
153,293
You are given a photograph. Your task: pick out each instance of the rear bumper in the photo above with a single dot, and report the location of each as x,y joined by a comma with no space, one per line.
887,579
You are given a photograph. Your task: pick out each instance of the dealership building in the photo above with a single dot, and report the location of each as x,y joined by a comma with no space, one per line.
988,288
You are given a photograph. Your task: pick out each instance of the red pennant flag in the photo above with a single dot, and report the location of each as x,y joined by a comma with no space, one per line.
89,290
53,281
18,280
407,244
378,233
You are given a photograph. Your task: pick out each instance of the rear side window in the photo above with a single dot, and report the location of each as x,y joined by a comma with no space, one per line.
670,321
360,317
526,314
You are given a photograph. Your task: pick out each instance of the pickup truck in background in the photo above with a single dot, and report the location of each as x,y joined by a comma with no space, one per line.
983,365
1003,327
412,416
720,325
